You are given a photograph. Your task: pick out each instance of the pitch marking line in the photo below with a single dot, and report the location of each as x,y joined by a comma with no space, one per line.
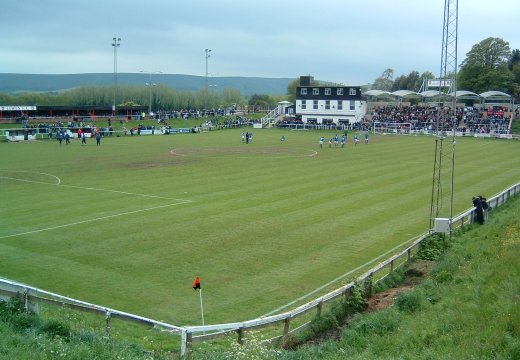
88,188
58,183
31,172
91,220
126,193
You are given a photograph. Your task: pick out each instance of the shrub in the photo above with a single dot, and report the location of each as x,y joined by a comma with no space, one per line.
56,328
410,301
324,323
357,301
391,280
13,313
432,247
378,323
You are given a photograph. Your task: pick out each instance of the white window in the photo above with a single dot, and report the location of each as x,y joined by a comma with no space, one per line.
352,104
327,104
340,104
303,91
340,91
352,91
315,91
315,104
328,91
304,104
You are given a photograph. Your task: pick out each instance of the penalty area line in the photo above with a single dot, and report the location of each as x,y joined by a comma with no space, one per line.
90,188
95,219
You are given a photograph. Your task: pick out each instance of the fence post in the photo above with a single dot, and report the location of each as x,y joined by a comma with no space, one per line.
186,343
107,323
241,335
287,324
26,299
347,292
392,266
319,307
368,284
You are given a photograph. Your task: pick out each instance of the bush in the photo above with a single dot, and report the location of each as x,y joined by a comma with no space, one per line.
323,323
410,301
13,313
432,247
378,323
391,280
55,328
357,301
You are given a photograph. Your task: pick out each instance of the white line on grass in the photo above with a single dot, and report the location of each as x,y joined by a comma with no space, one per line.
337,279
91,220
89,188
125,193
31,172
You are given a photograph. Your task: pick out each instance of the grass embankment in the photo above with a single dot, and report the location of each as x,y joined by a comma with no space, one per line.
468,308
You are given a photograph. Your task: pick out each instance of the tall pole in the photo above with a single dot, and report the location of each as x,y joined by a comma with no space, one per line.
208,55
115,44
448,81
150,84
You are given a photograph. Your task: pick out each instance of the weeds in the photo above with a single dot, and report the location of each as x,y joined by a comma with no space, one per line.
432,247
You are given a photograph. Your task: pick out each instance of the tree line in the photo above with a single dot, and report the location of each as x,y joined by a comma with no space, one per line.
159,98
489,65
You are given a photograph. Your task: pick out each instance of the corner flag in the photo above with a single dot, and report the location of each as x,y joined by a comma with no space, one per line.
196,283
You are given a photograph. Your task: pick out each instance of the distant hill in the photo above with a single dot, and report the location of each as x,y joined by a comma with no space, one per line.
16,83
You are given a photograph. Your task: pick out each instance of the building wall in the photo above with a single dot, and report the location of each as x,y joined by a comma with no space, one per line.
330,104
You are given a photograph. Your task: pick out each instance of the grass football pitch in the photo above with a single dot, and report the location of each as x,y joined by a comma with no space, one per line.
131,223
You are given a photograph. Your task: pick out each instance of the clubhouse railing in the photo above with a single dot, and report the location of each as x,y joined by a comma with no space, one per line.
32,296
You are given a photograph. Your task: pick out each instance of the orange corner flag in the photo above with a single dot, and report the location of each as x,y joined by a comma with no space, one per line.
196,283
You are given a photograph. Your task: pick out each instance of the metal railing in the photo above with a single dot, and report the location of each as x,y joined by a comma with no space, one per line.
271,117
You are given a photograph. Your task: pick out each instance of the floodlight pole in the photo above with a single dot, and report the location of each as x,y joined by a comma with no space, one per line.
448,75
115,44
150,84
208,55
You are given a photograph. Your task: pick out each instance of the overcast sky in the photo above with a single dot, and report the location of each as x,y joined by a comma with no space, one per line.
350,42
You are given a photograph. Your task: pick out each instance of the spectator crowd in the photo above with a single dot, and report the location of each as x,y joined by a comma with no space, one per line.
425,118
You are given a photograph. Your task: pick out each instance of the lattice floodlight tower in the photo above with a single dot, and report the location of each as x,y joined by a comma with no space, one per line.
444,160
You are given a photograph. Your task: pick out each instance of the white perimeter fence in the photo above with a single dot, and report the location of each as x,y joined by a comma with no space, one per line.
188,334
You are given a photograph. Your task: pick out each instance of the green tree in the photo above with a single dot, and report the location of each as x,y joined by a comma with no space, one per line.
486,67
385,81
231,96
427,75
412,82
261,101
291,90
515,59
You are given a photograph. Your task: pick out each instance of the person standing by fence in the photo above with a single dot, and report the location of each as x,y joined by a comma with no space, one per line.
479,210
